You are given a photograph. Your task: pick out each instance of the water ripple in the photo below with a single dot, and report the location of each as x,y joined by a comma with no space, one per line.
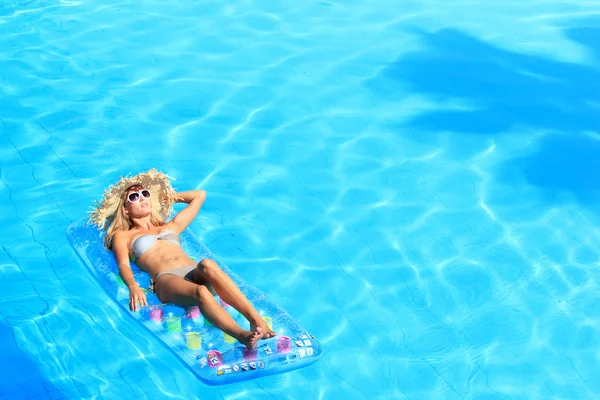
341,182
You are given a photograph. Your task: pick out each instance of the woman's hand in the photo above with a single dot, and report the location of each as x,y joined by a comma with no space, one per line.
137,296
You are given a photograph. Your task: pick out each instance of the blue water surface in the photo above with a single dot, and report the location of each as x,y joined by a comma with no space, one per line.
417,183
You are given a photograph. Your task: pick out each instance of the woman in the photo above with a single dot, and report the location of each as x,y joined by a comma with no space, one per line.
133,212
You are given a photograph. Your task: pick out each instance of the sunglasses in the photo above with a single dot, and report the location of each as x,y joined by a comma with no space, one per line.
134,197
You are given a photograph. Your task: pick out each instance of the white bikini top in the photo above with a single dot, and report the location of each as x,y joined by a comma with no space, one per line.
142,244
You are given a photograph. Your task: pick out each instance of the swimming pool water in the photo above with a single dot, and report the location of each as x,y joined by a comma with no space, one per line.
417,183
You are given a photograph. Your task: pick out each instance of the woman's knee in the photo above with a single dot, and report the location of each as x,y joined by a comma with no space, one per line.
208,268
202,293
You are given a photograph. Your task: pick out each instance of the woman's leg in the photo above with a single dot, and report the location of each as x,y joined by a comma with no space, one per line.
174,289
207,271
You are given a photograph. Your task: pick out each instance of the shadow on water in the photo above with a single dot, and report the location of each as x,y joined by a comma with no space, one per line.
510,90
21,377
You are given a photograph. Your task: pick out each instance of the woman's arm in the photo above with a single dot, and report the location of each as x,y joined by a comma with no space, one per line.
188,196
122,257
194,199
121,252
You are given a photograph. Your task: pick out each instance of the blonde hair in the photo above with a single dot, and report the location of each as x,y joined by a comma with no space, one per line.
122,222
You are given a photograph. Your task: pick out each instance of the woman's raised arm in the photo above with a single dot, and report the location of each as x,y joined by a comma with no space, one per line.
194,199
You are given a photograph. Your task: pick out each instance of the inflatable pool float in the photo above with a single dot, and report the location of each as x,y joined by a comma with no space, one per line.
213,356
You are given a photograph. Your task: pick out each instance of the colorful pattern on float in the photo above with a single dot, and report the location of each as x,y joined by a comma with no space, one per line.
213,356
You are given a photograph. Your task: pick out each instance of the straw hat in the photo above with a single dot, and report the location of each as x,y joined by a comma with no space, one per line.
162,196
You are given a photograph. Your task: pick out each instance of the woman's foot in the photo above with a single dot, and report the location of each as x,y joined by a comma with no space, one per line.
251,338
262,325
